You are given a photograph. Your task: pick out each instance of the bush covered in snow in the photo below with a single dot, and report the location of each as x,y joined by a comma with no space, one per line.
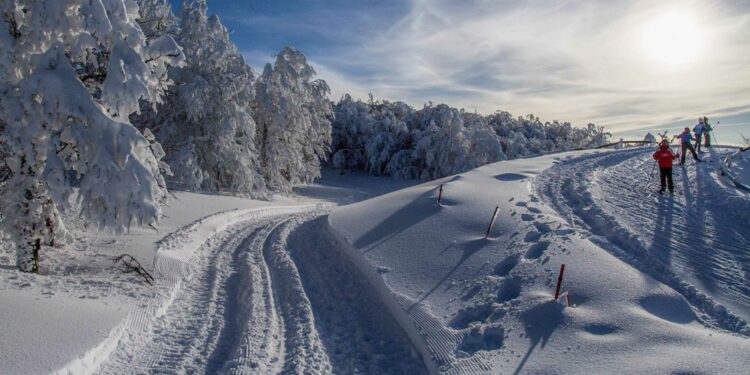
392,138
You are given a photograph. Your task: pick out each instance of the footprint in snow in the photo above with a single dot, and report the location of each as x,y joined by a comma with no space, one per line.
503,268
536,250
532,236
472,314
527,217
542,227
564,232
510,290
481,338
534,210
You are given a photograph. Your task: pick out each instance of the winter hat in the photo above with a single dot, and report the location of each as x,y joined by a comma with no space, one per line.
663,145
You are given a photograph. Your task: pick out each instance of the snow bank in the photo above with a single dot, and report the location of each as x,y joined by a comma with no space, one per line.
484,305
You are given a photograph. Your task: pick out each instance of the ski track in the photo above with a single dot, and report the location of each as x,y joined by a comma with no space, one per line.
242,307
686,241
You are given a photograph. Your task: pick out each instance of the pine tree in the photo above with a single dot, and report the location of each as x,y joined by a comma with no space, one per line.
73,71
293,116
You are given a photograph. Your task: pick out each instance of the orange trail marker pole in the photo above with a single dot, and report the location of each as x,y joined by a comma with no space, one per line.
492,222
440,194
559,281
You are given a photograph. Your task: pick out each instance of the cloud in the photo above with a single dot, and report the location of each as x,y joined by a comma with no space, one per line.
578,61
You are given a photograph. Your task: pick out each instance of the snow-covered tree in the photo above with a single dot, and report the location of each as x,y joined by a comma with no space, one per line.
436,141
205,125
293,116
72,71
156,18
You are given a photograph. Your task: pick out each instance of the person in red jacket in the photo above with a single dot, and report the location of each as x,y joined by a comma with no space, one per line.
664,156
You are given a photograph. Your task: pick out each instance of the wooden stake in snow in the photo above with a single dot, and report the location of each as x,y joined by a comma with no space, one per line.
440,194
492,222
559,281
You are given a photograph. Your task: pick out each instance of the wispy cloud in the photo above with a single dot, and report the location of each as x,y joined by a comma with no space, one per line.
582,61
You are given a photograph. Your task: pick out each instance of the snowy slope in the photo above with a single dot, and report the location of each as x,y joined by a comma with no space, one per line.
736,167
399,284
485,305
228,295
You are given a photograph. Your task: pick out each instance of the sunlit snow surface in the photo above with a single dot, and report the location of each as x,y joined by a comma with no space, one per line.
483,305
400,284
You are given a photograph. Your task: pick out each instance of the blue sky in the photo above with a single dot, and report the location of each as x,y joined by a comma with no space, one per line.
623,64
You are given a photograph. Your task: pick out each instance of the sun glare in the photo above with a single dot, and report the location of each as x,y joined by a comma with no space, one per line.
673,38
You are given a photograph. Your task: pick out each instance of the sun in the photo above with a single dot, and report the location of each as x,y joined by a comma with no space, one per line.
673,38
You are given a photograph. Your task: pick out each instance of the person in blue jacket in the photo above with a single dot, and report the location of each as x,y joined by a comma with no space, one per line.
686,138
699,130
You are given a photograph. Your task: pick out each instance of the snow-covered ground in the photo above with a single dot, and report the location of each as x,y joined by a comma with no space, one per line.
400,284
659,284
82,314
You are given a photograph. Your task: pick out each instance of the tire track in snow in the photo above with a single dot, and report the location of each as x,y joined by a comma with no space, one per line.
241,308
584,190
219,316
182,338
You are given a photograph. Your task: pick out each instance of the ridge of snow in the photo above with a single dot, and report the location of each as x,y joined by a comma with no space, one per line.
485,305
387,296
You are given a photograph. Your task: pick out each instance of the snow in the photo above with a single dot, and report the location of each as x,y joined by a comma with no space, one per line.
82,311
485,305
76,300
392,282
737,169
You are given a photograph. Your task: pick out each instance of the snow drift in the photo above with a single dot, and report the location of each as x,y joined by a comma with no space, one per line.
485,305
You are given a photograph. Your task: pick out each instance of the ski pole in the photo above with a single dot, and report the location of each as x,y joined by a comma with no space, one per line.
650,176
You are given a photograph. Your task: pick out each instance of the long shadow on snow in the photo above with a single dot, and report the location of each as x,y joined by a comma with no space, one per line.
660,243
469,249
540,322
700,255
419,209
729,248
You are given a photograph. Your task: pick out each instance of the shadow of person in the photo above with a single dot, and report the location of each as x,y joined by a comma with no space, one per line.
662,239
540,322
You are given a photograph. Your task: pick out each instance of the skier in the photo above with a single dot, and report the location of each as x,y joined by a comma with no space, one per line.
685,139
707,131
664,157
698,130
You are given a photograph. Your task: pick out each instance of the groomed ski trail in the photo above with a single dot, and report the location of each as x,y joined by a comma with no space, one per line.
243,308
689,241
